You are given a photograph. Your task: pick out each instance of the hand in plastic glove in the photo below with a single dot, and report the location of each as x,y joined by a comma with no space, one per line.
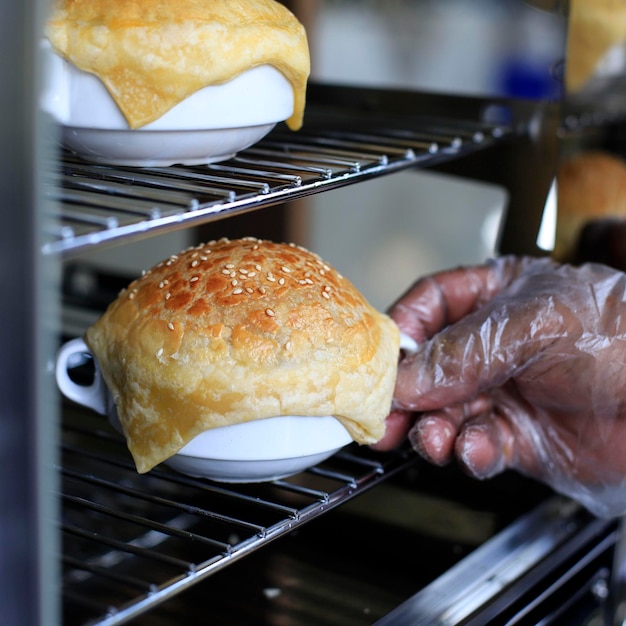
522,365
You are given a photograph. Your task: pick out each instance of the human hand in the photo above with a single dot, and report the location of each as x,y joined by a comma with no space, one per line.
521,364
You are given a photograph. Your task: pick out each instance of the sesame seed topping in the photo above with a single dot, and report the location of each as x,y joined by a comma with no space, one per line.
131,295
249,290
233,274
170,325
308,281
159,352
194,279
326,288
302,282
326,295
270,313
262,290
168,295
229,266
234,283
257,267
237,291
226,272
161,285
281,281
243,270
285,269
271,278
195,263
251,274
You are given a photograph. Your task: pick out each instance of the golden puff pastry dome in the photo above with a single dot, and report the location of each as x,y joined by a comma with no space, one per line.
240,330
152,54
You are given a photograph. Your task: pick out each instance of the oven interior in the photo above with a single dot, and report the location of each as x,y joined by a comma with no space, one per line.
167,549
363,537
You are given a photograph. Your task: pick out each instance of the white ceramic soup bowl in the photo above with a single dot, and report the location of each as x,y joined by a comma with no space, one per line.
211,125
256,451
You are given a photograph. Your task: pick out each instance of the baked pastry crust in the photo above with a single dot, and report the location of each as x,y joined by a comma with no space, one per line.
591,186
152,54
594,28
240,330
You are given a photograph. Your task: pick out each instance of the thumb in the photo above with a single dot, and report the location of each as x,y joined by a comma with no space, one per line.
481,351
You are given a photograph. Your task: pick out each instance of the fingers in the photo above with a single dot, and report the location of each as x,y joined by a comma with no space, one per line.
399,423
450,369
486,446
483,446
434,434
482,351
434,302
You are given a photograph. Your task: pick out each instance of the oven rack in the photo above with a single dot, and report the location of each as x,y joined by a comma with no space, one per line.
90,205
129,542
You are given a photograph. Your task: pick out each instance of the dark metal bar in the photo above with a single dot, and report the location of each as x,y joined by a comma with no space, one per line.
127,547
144,521
158,500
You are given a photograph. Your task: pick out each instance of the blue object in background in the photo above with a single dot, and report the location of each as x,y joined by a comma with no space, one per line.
528,79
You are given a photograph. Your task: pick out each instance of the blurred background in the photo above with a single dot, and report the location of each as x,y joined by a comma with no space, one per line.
385,233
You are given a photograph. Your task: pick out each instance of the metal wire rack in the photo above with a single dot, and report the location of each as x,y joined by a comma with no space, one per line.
92,205
132,541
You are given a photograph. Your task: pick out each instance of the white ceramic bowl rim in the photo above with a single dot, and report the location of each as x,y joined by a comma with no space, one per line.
78,99
211,125
281,437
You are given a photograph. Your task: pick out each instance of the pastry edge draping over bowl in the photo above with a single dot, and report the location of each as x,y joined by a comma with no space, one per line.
236,331
257,451
160,99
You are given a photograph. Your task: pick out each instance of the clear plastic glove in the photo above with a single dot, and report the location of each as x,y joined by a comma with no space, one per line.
521,365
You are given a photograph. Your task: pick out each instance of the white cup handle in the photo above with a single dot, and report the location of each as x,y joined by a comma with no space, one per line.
94,395
407,344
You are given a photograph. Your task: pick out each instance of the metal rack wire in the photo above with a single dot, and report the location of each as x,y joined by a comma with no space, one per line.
91,205
132,541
